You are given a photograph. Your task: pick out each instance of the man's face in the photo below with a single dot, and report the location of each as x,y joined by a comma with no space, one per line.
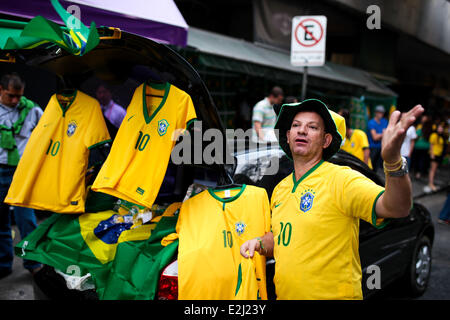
10,97
276,100
103,95
379,115
307,137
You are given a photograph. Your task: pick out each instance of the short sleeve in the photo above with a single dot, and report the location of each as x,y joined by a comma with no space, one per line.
359,196
37,114
433,138
258,112
97,132
412,133
364,140
187,113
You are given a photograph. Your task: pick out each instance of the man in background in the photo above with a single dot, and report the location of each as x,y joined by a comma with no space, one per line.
112,112
376,127
264,116
18,117
356,142
408,144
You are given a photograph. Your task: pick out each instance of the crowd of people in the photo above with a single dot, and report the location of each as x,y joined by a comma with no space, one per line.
425,146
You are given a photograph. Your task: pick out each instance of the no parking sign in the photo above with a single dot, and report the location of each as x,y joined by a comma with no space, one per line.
308,40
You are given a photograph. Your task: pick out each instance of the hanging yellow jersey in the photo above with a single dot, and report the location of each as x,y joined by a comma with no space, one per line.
212,226
51,173
315,223
135,167
356,144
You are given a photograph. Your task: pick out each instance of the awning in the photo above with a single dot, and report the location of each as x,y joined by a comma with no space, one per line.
154,19
246,57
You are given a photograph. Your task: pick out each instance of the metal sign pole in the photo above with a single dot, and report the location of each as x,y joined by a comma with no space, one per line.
304,81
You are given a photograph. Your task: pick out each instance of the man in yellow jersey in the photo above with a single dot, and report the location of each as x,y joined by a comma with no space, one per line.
356,142
316,210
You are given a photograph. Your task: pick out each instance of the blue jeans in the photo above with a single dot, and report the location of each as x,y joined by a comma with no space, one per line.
445,212
25,221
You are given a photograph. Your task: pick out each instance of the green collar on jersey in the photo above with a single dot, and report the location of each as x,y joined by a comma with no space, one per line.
158,86
215,196
296,183
64,110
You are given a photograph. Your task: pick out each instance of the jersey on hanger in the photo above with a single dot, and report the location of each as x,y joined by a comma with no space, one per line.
211,230
51,173
136,165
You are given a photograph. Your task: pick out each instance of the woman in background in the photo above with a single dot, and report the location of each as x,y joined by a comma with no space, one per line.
421,157
437,143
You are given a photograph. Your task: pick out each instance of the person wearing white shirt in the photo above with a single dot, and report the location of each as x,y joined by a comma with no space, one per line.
408,144
264,116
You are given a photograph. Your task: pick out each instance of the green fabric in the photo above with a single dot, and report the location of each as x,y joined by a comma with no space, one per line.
134,272
212,192
374,214
7,140
166,87
98,201
421,142
75,38
296,183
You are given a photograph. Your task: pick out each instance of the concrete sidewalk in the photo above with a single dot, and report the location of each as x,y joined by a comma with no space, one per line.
441,180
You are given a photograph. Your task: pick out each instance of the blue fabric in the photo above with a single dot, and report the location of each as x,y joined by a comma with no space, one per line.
25,221
445,212
378,129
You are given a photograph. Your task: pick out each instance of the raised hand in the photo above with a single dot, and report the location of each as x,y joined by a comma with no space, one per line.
396,131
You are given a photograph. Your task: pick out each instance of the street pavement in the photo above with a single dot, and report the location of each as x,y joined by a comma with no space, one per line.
19,285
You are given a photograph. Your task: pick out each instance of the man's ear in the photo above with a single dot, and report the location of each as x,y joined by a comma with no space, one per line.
287,135
327,140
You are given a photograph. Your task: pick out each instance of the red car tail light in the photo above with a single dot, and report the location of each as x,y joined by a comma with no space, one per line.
168,283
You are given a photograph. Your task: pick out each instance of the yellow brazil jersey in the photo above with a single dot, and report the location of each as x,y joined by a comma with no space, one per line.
51,173
437,144
135,167
212,226
356,144
315,223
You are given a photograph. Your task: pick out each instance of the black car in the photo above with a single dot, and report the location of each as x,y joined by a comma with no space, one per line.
402,249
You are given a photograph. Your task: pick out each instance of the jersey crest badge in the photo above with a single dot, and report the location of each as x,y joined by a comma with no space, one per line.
71,128
240,227
162,127
306,200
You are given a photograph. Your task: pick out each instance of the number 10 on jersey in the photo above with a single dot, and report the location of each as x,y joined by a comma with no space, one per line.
142,141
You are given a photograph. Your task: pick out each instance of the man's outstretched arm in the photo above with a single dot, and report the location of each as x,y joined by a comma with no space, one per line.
397,199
